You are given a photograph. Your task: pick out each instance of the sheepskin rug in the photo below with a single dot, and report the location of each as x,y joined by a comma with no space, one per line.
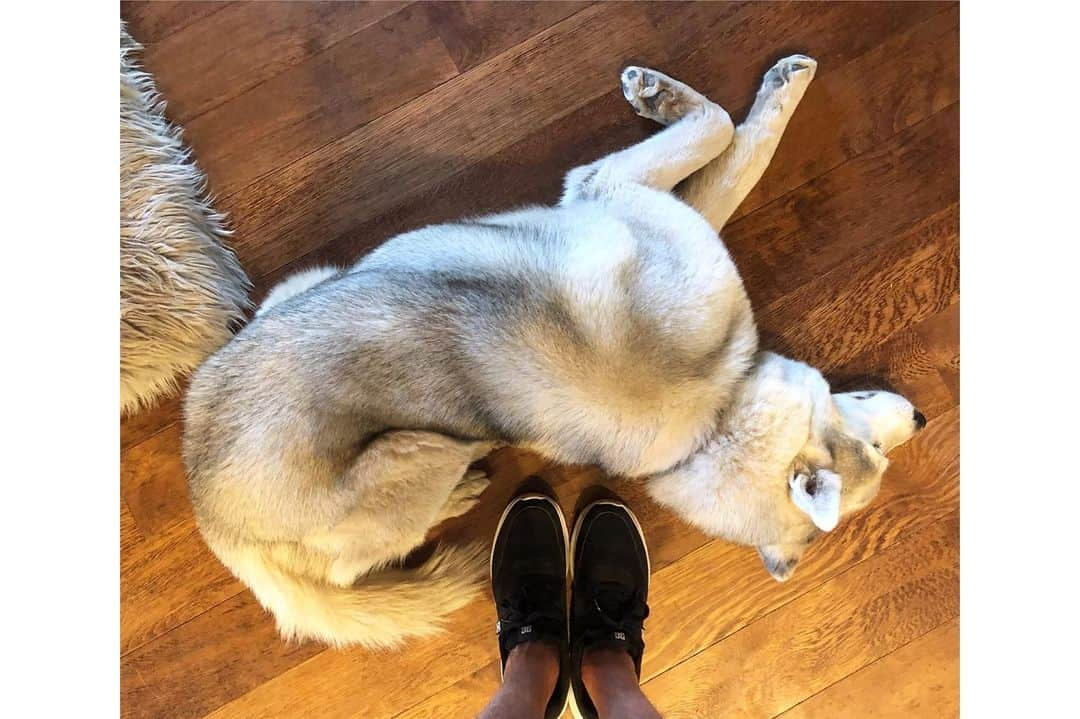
182,291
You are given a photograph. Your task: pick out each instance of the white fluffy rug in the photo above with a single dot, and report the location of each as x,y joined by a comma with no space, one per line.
182,291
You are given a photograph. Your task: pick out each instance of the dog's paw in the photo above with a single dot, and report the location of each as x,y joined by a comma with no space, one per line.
658,97
789,77
466,494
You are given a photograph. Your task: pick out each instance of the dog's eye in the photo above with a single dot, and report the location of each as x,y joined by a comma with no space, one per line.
865,395
877,446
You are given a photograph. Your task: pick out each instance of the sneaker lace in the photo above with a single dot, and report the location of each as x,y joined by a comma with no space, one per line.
535,602
619,611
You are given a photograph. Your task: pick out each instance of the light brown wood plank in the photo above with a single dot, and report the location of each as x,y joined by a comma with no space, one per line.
912,362
313,103
147,422
153,482
477,31
712,593
170,677
216,58
159,568
810,643
918,680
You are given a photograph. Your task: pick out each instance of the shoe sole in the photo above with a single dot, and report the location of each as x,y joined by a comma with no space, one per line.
571,699
566,545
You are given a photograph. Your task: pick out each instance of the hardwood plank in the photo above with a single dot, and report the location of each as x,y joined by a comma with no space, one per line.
862,303
220,56
854,107
531,169
807,645
153,482
149,22
668,537
155,571
318,100
918,680
851,209
147,422
477,31
912,363
424,143
920,491
129,533
169,677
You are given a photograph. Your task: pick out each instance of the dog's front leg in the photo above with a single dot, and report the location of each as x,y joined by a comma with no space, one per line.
717,189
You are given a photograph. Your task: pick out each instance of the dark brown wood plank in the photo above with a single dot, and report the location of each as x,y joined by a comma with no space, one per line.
531,169
853,208
319,100
478,31
216,58
423,144
149,21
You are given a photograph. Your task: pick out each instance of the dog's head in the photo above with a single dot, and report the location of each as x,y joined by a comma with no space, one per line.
838,469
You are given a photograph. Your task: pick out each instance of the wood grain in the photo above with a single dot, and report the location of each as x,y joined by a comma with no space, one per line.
320,198
330,127
808,644
718,589
320,99
478,31
166,580
919,679
264,39
150,22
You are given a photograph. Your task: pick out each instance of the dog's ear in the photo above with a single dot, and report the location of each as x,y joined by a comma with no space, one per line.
781,559
818,495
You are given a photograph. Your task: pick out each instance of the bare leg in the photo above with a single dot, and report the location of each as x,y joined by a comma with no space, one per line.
698,131
531,671
719,187
608,675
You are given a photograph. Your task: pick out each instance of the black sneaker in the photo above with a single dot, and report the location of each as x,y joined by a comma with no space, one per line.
608,606
528,580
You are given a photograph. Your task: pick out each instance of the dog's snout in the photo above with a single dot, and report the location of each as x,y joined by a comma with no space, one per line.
920,420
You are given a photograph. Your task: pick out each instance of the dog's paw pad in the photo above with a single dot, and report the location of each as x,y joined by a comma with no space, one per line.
796,69
656,96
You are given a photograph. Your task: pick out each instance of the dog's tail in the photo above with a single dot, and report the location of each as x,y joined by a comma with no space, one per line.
381,611
294,285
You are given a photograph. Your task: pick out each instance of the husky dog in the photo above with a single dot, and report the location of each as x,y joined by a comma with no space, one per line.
612,329
787,461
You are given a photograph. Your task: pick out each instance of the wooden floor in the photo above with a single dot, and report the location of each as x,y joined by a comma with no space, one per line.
327,128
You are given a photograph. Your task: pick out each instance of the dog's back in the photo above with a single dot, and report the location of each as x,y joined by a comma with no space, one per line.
574,331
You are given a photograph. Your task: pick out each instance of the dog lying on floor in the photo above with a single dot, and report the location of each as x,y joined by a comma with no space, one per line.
612,329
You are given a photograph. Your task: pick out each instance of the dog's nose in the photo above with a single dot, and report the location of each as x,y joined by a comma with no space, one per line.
920,420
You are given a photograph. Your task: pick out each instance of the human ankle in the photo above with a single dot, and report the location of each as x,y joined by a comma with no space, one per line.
534,668
604,668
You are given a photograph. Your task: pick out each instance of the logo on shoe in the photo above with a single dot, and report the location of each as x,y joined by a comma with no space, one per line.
620,636
526,629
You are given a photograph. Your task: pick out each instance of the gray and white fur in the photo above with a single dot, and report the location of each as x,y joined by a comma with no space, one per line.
612,329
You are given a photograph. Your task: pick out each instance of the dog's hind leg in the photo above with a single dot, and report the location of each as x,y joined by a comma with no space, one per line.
718,188
698,130
401,485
